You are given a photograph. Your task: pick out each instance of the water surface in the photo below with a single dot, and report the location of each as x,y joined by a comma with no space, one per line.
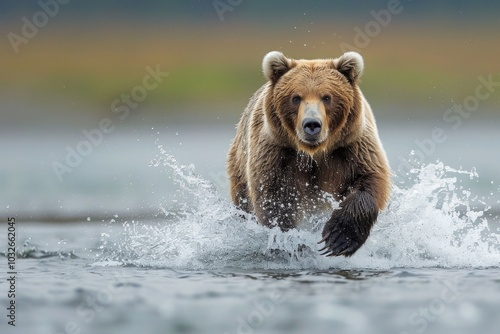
160,249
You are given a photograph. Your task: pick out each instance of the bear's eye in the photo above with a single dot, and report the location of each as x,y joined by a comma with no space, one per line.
326,98
296,99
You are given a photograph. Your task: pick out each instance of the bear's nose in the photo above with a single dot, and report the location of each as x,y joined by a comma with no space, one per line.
312,126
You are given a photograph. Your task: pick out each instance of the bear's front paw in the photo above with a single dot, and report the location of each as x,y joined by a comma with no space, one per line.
343,234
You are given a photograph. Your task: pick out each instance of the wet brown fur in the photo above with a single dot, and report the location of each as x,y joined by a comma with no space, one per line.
279,177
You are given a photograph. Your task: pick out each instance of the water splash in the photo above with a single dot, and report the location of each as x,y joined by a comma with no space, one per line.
33,251
433,222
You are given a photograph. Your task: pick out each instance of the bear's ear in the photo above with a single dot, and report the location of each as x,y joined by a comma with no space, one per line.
274,65
351,65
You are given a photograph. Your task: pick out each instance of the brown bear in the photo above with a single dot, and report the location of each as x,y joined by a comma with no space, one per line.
306,132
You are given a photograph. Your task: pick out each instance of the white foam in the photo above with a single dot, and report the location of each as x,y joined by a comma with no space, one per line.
430,223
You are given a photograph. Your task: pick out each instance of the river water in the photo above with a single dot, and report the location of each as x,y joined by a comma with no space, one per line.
140,237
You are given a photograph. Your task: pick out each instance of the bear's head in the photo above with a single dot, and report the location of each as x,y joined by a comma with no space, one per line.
313,104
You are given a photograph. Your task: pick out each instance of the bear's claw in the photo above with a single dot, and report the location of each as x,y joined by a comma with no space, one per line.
341,237
323,240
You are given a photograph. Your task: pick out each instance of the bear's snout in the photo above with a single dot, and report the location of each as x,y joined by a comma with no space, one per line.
309,131
312,127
